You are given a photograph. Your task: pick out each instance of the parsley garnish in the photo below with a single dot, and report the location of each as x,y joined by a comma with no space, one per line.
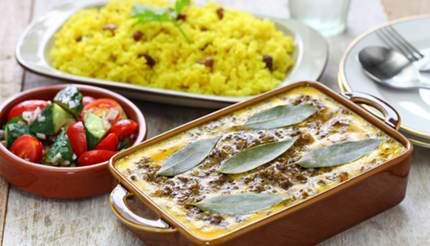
145,13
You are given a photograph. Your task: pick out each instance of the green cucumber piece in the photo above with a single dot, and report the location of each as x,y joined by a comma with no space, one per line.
60,153
61,117
125,143
15,128
43,124
71,100
95,128
50,121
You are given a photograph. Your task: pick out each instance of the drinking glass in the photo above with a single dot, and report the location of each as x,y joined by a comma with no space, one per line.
327,16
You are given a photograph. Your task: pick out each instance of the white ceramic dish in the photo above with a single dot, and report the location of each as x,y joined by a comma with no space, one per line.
413,105
33,48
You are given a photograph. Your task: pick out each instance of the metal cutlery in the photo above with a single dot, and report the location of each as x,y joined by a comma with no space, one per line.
390,68
395,40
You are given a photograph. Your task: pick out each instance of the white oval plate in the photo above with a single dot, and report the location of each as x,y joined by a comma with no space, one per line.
34,44
413,105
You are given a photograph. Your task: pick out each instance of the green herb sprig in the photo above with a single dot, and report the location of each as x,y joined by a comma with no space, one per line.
145,13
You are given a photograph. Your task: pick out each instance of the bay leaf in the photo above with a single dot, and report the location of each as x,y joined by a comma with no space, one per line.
338,154
188,157
280,116
256,156
240,204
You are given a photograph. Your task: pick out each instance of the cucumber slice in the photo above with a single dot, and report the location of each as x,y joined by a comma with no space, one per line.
60,153
125,143
14,128
95,128
71,100
60,117
50,121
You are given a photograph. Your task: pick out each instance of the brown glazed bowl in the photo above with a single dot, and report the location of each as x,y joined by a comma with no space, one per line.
62,182
305,223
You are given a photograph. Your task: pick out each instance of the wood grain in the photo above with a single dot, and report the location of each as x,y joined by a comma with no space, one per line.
400,8
87,221
33,220
409,222
405,224
11,75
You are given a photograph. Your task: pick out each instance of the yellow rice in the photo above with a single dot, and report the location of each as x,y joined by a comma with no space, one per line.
236,43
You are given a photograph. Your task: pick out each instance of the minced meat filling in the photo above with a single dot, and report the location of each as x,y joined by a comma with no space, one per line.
276,176
177,196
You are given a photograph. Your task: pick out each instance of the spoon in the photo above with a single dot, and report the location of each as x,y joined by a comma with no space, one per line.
390,68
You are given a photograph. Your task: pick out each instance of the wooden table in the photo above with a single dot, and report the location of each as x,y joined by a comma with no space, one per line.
29,220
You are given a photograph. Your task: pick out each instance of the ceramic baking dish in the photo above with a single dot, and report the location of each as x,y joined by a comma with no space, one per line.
304,223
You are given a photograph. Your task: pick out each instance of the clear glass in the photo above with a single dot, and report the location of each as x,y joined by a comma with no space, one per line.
327,16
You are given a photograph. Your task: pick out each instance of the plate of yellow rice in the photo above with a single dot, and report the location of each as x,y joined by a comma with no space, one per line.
206,56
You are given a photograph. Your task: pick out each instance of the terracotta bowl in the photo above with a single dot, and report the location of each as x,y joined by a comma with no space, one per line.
62,182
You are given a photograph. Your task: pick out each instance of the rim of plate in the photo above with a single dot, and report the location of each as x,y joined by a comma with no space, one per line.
42,66
345,87
419,142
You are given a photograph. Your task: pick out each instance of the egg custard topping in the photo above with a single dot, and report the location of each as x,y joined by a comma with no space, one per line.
224,175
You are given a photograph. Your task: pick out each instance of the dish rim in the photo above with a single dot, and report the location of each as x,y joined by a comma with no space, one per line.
42,66
146,199
140,118
345,87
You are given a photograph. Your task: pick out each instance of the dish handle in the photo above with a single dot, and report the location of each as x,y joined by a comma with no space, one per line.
152,230
391,116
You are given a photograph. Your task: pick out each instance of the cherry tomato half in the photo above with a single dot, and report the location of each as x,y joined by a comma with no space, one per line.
110,142
95,156
124,128
28,148
26,106
77,138
105,108
87,100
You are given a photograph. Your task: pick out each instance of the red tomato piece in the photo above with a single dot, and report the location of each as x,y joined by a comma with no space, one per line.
124,128
28,148
26,106
95,156
87,100
110,142
77,138
105,108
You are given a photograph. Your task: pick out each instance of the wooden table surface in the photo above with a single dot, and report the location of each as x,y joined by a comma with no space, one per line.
29,220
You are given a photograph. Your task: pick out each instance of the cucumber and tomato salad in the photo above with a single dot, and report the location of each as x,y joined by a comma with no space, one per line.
70,130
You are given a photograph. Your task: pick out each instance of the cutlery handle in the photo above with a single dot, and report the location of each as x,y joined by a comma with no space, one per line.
152,230
424,64
424,85
391,116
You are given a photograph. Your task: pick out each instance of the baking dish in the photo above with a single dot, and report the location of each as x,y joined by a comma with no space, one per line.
303,223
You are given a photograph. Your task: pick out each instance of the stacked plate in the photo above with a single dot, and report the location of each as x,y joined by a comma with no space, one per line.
413,105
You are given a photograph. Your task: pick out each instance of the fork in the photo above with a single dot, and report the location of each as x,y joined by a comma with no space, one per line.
395,40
